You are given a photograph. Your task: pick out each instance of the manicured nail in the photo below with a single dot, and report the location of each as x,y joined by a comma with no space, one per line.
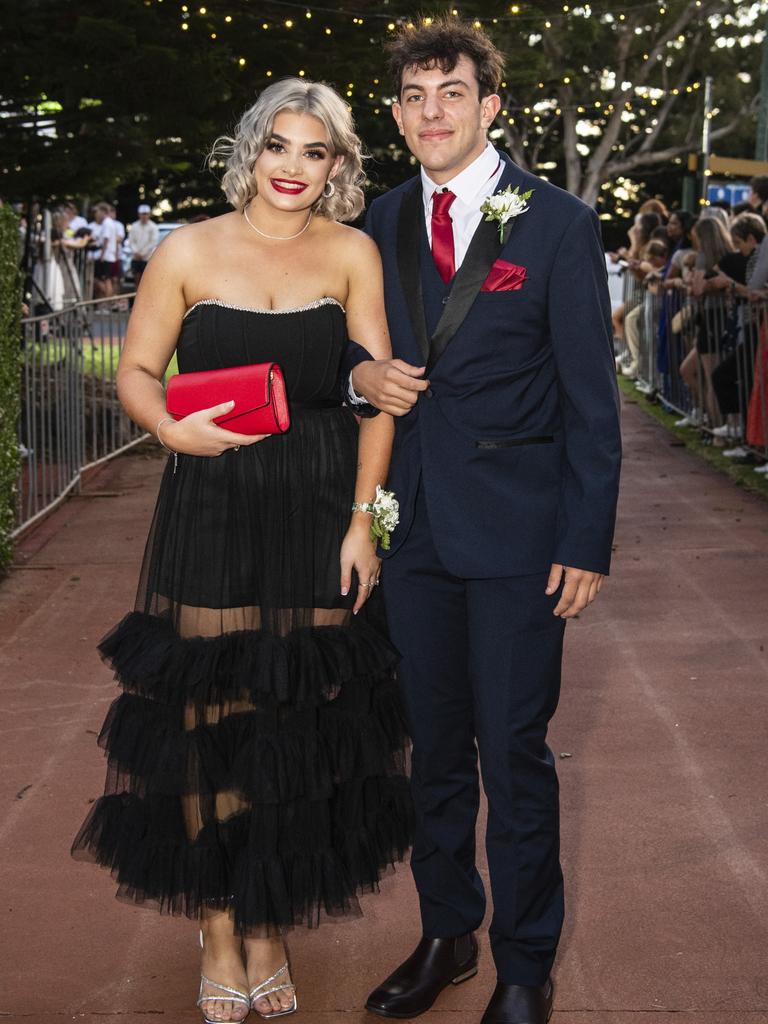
344,591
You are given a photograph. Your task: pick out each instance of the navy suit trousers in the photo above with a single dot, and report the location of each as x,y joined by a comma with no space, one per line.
480,672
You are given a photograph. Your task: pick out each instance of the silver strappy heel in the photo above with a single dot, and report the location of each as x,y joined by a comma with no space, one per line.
259,991
234,995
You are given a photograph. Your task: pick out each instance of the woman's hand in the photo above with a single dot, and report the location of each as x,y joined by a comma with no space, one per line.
358,552
197,434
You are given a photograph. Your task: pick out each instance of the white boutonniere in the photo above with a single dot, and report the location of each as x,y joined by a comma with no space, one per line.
505,206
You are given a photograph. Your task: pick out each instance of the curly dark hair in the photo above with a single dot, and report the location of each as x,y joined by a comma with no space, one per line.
440,42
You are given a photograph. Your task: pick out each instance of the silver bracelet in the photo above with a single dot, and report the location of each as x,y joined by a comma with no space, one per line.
363,506
175,454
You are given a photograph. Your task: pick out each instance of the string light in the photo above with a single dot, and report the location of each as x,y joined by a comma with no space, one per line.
650,96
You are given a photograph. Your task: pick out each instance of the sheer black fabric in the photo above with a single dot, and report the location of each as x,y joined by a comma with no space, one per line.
256,751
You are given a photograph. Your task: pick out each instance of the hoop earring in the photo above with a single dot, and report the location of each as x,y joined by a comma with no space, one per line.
329,189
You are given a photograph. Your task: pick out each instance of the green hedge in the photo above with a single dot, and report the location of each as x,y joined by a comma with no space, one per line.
10,378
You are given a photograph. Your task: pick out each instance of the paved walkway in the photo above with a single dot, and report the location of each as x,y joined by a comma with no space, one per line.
664,761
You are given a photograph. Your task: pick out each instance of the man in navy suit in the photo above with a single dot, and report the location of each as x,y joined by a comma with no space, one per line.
506,465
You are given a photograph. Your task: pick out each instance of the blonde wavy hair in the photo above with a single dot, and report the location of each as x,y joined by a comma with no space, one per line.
252,133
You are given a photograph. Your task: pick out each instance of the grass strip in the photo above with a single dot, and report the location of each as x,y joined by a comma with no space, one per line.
742,473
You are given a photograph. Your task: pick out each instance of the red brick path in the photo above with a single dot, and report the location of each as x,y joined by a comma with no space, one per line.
663,714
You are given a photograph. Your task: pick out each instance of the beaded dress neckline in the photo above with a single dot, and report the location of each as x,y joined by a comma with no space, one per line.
326,300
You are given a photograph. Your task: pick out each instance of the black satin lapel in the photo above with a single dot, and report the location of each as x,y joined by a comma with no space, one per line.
483,251
409,228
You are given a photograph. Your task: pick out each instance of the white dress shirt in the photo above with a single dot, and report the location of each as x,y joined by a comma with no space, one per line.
109,240
144,239
472,186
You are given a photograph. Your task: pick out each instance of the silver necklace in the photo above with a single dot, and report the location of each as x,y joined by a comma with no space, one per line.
276,238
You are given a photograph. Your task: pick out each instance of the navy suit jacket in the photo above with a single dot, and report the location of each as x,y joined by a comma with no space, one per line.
516,443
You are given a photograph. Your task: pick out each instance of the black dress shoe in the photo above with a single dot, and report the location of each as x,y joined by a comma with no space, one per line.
416,984
520,1004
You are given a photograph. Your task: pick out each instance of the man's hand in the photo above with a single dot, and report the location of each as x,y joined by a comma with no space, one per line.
580,589
390,384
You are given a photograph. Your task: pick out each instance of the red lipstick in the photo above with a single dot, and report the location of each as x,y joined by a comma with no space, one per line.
287,186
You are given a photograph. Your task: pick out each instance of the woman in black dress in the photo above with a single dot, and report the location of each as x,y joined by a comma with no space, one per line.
255,753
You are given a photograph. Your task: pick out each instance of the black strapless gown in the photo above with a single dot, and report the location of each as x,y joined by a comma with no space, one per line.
256,752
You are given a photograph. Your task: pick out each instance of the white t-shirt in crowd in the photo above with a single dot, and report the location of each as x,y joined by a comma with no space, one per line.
108,234
120,231
95,229
144,239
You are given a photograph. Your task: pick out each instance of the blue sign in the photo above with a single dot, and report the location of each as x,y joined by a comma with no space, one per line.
730,193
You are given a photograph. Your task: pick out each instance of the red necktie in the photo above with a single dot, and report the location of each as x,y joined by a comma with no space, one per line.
442,235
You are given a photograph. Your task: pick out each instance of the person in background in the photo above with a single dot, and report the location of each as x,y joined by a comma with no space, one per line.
644,313
712,243
732,378
104,283
716,212
758,192
629,258
76,222
756,291
655,206
144,237
679,234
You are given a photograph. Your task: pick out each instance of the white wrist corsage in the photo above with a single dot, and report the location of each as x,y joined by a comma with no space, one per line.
506,205
385,510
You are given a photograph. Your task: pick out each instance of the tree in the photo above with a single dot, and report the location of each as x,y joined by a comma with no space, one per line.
135,98
622,92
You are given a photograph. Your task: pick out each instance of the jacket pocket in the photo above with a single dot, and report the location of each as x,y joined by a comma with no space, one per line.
516,442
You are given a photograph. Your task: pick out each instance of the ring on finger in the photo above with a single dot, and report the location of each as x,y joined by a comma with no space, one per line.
236,448
366,585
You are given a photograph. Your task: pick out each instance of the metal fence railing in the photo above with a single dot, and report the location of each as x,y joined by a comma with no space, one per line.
704,358
71,418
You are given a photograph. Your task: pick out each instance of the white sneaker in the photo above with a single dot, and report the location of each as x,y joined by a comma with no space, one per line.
630,370
727,430
643,388
739,452
692,419
763,470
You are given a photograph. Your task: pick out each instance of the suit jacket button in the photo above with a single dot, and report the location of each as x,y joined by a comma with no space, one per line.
429,393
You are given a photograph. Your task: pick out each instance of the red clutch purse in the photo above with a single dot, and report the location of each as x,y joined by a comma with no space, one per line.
261,406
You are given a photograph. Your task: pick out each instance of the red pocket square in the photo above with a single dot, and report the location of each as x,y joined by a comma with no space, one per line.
504,277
